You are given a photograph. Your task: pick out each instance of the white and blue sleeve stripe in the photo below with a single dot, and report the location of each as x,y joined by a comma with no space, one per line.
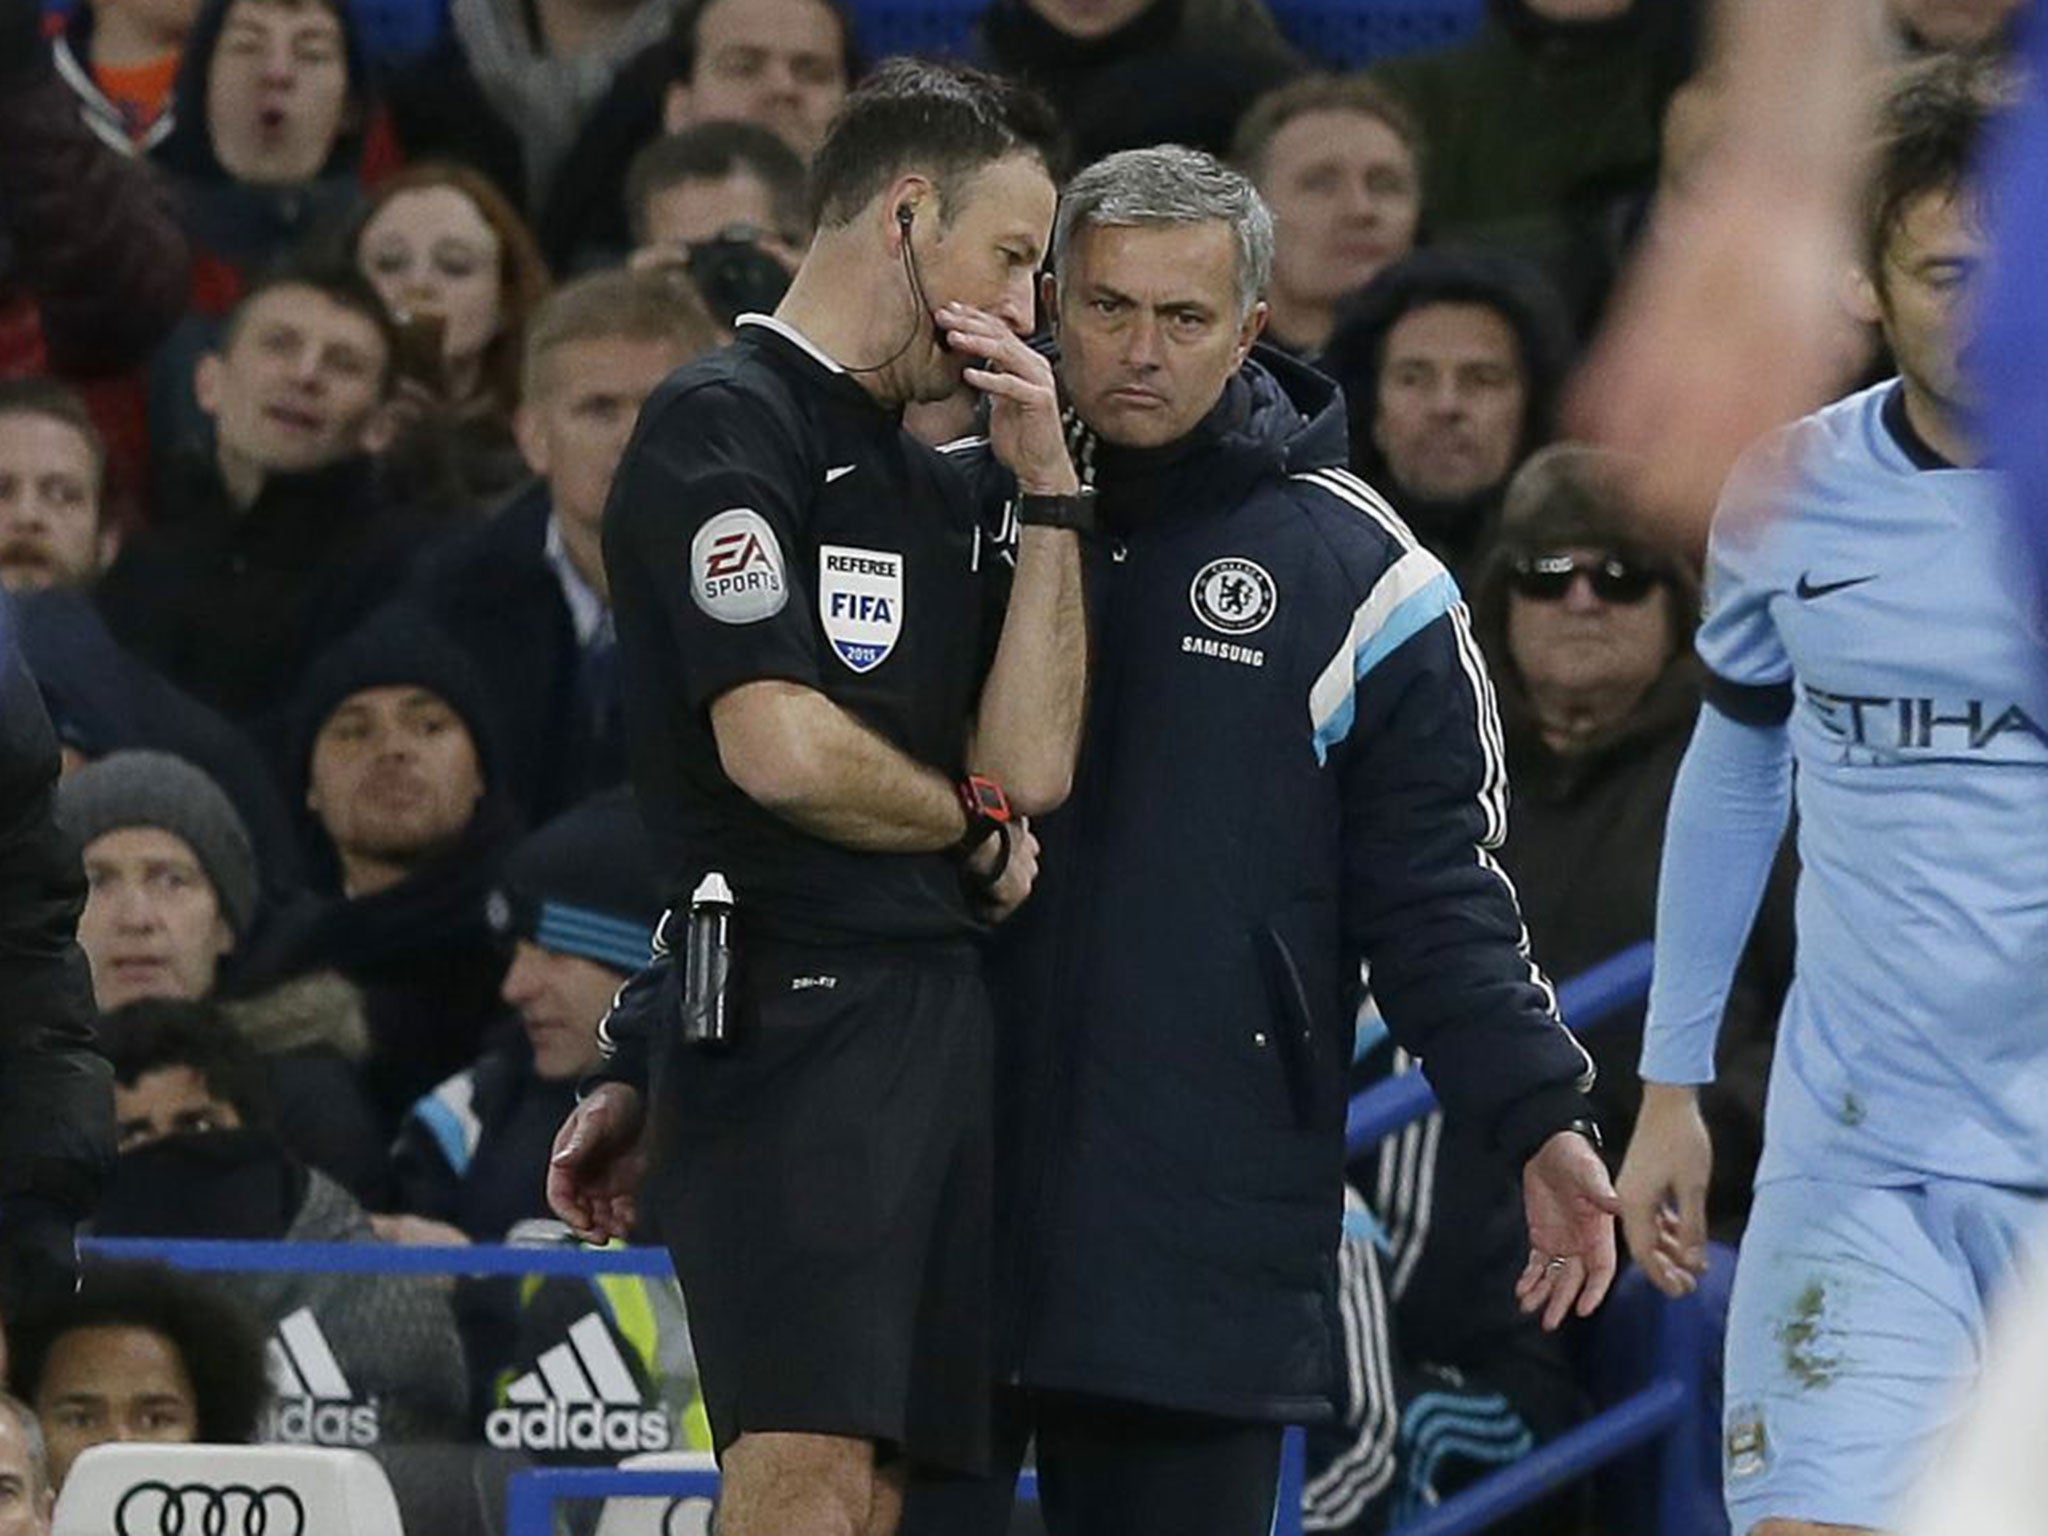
1414,593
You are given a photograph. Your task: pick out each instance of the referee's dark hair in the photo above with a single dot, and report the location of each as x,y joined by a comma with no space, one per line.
1930,127
945,120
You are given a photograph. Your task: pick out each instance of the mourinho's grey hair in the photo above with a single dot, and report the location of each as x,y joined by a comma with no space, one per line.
38,1453
1170,184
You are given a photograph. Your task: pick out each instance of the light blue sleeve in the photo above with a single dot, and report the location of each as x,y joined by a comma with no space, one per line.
1729,807
1737,638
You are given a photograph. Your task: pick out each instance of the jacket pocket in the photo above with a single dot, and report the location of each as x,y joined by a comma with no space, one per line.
1297,950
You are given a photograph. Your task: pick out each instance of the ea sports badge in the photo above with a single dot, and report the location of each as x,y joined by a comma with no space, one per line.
860,603
736,568
1233,596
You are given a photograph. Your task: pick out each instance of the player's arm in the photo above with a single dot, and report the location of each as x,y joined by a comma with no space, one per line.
1729,806
1028,728
1726,324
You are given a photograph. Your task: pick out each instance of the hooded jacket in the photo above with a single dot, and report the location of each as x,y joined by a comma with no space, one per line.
1457,531
1291,766
238,228
71,52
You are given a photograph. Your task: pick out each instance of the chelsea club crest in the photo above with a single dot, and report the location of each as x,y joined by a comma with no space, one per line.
1233,596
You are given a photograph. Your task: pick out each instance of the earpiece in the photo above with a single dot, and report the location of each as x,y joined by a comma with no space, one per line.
904,214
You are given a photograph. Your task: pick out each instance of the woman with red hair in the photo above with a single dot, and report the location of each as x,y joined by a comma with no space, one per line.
461,275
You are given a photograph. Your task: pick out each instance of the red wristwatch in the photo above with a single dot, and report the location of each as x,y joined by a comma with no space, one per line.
987,808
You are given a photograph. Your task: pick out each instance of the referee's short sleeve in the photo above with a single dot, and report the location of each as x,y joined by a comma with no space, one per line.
711,503
1738,639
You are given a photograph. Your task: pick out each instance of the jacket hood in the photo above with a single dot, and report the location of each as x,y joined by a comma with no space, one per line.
1276,416
70,51
318,1011
188,150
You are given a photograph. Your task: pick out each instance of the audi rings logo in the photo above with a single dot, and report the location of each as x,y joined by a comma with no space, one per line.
209,1509
687,1517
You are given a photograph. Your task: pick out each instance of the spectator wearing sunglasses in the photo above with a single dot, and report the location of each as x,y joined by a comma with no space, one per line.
1588,635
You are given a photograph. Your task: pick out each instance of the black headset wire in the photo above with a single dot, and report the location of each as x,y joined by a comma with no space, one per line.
904,216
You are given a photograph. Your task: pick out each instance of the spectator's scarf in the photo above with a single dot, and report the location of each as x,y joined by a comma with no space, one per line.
544,99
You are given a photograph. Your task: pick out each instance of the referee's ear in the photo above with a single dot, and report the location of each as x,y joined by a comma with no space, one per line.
904,196
1049,300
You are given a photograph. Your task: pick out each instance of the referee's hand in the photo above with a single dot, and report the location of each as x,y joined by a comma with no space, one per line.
1024,404
1020,870
595,1171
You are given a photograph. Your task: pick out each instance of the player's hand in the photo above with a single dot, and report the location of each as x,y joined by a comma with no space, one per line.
1024,416
1729,323
598,1162
1663,1188
1571,1207
1019,875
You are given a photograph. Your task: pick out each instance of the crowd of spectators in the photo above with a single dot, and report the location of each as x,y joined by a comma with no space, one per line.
318,361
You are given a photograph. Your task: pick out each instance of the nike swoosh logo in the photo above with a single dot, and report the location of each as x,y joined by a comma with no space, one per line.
842,470
1808,589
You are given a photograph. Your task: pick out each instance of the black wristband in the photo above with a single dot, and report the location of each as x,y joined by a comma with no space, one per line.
1076,512
975,880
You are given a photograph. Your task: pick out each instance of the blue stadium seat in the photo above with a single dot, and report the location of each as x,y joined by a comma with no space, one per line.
1344,33
916,26
1352,33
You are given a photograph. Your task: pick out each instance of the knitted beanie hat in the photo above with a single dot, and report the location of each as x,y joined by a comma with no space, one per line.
155,789
585,884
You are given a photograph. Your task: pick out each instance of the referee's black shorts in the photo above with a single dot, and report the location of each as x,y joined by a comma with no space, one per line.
824,1188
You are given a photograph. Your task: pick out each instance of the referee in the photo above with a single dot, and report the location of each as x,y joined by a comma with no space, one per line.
839,689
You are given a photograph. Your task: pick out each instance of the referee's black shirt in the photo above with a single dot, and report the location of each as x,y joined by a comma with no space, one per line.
771,520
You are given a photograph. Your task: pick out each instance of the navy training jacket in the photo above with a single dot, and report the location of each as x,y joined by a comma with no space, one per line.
1292,769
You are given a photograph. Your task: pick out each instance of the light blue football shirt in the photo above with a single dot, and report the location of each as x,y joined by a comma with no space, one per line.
1888,589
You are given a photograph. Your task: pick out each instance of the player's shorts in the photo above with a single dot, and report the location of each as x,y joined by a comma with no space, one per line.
824,1186
1857,1324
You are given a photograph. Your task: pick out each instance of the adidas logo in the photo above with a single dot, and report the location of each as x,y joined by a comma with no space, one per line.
314,1404
578,1397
